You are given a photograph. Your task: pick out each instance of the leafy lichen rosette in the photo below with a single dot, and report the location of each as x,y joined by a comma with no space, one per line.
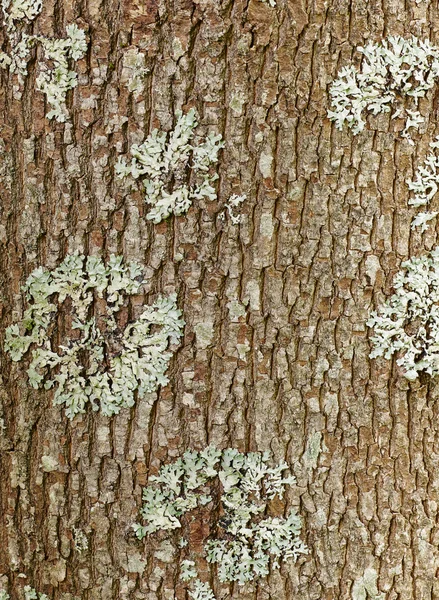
55,77
164,163
31,594
247,542
390,70
408,324
101,363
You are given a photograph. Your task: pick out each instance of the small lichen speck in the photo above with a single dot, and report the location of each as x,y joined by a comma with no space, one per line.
80,541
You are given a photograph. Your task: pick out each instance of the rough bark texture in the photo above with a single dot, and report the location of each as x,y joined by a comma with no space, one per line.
324,229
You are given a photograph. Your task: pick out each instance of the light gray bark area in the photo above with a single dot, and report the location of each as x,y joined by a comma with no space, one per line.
323,231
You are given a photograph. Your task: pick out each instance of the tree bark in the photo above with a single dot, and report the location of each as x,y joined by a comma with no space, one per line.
324,228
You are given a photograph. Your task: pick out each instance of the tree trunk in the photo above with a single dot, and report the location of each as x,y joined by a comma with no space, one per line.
324,228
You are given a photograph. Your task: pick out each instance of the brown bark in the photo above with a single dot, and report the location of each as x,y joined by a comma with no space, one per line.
324,229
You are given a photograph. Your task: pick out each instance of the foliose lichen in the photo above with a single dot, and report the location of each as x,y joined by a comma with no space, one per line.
389,70
19,10
366,587
101,364
425,187
247,544
31,594
54,81
17,13
408,323
80,540
201,590
422,220
232,205
135,70
166,161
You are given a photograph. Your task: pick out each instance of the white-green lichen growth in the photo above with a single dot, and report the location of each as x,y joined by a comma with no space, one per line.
4,595
365,587
16,15
101,363
134,71
422,220
31,594
247,545
80,540
55,78
313,450
166,162
49,464
408,324
231,208
188,570
389,70
55,81
236,310
20,10
198,589
425,187
201,591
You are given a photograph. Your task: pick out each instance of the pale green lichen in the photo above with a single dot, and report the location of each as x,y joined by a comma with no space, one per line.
236,310
365,587
49,464
17,13
237,102
425,187
134,71
246,546
31,594
266,164
408,324
201,591
198,590
102,364
232,205
19,10
80,540
4,595
164,162
204,332
422,219
312,451
57,80
54,81
188,570
389,70
243,350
